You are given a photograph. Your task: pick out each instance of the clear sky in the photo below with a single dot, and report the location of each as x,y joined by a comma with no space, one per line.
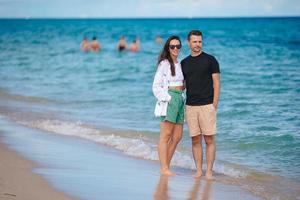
147,8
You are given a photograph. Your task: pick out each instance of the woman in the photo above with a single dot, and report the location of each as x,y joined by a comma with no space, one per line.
168,86
85,45
134,47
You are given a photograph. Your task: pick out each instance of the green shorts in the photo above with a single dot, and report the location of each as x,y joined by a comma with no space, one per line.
175,110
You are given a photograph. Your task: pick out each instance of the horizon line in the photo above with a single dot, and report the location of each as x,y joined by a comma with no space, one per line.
198,17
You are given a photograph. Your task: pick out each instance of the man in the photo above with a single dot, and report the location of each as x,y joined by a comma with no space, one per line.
122,44
202,77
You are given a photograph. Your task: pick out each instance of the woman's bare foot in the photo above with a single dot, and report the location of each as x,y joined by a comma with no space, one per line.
166,172
209,175
198,174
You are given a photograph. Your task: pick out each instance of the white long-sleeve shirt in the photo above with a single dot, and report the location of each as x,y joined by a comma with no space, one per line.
162,80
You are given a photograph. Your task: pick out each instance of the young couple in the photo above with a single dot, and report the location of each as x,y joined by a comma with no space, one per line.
199,73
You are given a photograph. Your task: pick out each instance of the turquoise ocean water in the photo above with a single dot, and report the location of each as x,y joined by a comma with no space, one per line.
46,82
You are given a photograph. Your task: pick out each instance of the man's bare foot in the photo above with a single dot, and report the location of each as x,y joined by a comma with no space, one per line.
198,174
209,175
166,172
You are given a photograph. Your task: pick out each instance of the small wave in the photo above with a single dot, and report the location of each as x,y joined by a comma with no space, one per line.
89,102
267,128
4,94
70,51
137,147
114,80
294,42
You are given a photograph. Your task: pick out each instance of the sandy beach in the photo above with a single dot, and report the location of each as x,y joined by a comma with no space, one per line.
17,181
75,168
83,122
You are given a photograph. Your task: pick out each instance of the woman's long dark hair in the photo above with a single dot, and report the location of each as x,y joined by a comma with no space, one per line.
165,53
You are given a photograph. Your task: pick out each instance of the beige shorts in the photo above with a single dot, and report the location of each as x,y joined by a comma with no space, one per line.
201,120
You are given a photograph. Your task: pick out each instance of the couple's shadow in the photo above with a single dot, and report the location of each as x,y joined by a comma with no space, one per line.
162,190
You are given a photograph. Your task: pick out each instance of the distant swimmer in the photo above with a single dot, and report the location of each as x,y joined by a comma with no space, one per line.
135,45
122,44
158,40
85,45
95,45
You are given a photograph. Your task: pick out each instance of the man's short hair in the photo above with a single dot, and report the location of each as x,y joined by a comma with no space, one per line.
194,32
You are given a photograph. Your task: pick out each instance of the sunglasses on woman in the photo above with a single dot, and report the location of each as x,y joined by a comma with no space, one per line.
178,46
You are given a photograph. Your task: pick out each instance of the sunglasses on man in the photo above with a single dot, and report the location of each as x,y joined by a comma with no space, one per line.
178,46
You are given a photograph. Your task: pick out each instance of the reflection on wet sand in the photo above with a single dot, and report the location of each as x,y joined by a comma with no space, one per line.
162,189
195,191
161,192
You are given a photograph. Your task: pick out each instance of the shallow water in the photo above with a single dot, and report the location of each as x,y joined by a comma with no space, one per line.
42,70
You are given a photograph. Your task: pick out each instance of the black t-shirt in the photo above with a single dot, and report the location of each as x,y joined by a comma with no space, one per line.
197,72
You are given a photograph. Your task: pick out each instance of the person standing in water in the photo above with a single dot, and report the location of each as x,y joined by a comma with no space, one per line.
122,44
135,45
202,78
95,45
168,86
158,39
85,45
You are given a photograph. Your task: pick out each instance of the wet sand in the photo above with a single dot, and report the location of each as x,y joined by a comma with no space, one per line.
17,181
87,170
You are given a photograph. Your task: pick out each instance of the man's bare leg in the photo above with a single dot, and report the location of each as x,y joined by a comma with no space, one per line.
197,154
210,155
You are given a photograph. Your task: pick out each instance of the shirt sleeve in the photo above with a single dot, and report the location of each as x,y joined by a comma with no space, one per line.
182,64
215,68
158,86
